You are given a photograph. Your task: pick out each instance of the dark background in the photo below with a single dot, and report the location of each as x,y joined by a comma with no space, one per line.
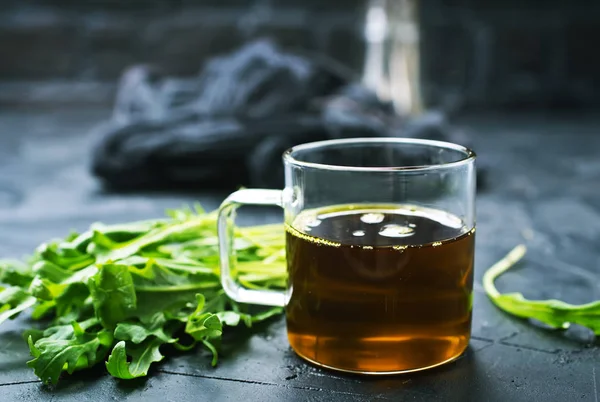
475,54
524,77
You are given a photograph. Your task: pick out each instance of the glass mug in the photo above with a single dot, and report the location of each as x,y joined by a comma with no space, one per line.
380,236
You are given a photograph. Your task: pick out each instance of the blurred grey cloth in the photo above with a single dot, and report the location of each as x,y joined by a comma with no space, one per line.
228,126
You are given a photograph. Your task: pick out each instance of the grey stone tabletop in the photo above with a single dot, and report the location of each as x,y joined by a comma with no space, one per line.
542,188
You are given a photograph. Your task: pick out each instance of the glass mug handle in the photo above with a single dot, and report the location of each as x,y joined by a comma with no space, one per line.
226,226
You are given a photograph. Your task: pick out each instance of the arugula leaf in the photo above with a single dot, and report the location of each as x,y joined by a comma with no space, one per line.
44,289
203,325
137,332
14,300
50,271
65,257
161,277
73,303
113,294
15,273
62,348
142,357
554,313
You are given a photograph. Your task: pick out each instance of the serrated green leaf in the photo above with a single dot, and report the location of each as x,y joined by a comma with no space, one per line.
137,333
14,300
142,355
201,324
205,325
113,294
73,302
66,348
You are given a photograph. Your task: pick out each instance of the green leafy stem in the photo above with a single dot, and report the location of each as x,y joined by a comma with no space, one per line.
554,313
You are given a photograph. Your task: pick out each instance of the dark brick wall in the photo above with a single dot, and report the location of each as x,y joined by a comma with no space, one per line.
482,53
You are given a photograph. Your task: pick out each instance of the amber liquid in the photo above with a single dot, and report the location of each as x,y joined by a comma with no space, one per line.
379,289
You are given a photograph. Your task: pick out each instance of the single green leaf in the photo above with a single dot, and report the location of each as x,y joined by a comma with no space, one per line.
555,313
103,241
51,272
137,333
177,305
69,258
142,357
35,352
15,273
74,302
77,329
117,364
43,289
157,277
201,324
63,349
82,275
14,300
61,332
42,309
205,325
113,294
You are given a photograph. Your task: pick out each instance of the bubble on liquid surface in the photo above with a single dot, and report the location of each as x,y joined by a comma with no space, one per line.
313,223
310,223
412,225
396,231
358,233
372,218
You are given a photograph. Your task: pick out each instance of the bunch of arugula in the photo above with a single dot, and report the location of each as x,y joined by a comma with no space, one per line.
116,294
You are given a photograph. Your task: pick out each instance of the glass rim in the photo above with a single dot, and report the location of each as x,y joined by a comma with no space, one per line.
468,155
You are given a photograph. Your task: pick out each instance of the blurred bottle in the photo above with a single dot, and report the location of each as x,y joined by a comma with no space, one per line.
392,53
